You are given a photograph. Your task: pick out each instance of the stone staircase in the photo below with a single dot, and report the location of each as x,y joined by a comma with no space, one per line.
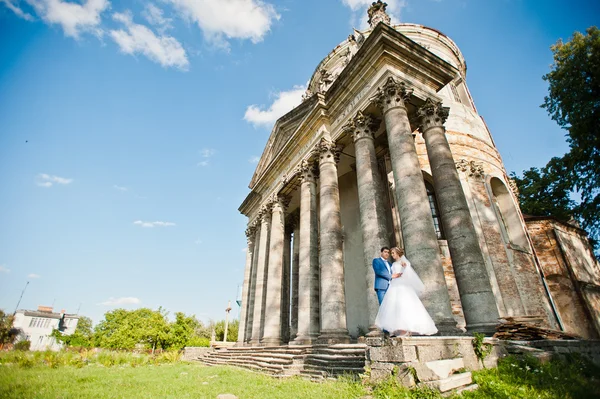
316,361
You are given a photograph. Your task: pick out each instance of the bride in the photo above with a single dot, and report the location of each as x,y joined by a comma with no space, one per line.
401,312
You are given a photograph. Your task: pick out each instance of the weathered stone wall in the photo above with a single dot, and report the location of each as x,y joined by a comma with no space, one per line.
588,348
354,271
387,355
572,273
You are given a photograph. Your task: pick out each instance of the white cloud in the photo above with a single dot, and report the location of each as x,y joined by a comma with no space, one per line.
206,153
12,5
73,17
46,180
254,159
232,19
4,269
165,50
127,300
153,224
155,16
120,188
284,102
33,275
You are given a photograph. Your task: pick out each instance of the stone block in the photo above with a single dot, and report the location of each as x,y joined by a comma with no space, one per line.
388,353
452,382
437,369
405,376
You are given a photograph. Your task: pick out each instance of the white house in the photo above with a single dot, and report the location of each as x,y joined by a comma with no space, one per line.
37,325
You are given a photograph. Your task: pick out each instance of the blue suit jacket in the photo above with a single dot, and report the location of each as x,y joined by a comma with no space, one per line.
382,275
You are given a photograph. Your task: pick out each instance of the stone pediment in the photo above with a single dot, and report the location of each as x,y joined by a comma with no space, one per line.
281,133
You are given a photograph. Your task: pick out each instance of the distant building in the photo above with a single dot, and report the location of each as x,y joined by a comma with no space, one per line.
36,326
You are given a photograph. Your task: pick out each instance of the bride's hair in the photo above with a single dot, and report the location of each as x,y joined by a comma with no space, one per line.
397,250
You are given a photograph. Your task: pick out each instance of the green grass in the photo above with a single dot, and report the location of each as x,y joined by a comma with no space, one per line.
125,375
179,380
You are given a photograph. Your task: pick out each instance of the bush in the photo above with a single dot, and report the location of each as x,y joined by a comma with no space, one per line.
199,341
23,345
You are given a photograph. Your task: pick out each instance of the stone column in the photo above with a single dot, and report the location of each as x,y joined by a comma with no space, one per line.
252,287
418,232
308,258
250,233
331,261
273,310
476,295
295,222
261,276
285,287
371,196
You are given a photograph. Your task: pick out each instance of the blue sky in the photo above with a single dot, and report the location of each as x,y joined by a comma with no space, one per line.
129,131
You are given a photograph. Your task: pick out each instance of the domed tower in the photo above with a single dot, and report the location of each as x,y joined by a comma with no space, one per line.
386,149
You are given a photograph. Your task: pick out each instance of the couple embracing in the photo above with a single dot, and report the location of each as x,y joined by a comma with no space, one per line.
398,288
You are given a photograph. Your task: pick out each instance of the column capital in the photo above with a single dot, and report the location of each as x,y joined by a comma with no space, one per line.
362,126
279,202
471,168
307,170
392,94
432,114
328,151
264,214
250,233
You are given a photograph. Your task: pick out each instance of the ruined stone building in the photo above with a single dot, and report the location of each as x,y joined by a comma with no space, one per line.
388,149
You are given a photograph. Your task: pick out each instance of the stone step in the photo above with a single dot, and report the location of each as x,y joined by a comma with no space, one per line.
266,368
333,370
249,359
452,382
280,356
460,390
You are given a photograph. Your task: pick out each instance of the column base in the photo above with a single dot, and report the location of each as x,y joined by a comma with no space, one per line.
254,342
270,342
374,331
304,340
485,328
448,328
329,337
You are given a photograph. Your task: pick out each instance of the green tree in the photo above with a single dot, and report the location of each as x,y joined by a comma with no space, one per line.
82,337
7,333
573,101
542,192
182,330
232,330
124,329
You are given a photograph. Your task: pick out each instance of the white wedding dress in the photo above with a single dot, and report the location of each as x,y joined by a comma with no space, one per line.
401,308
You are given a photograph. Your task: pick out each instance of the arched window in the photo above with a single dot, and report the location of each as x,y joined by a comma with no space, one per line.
435,211
510,223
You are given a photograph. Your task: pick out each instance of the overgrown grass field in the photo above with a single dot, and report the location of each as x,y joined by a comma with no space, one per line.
125,375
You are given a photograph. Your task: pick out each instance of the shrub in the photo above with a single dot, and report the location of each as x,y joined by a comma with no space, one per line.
199,341
23,345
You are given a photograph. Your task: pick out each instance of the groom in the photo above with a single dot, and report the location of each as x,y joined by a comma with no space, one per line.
383,273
